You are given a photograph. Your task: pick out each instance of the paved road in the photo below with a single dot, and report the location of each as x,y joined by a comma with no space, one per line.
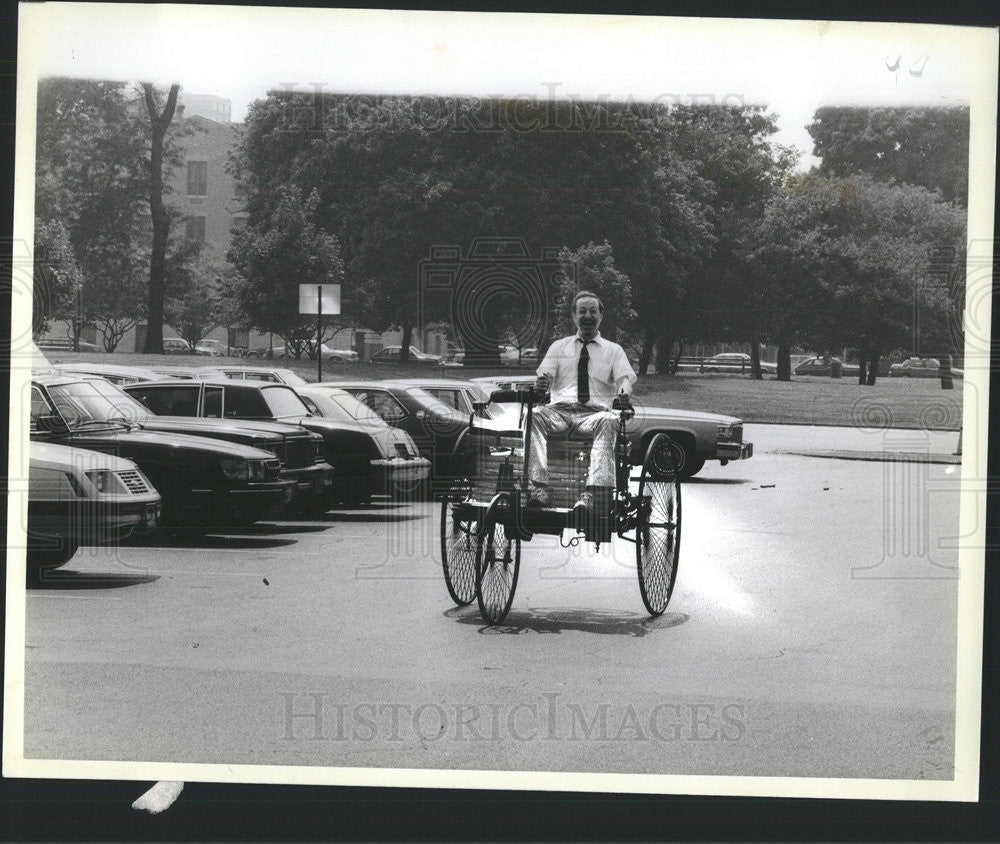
811,633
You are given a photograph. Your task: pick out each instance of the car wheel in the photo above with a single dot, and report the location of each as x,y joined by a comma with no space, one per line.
254,355
687,461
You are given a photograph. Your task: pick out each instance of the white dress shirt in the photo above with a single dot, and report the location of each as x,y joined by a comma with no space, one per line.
608,363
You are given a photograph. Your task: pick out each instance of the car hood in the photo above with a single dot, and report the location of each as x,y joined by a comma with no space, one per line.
322,425
64,457
215,428
155,440
663,413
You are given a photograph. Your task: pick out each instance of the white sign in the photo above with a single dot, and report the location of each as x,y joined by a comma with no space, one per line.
308,299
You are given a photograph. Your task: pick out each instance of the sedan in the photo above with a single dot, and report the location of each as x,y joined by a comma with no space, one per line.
328,353
697,436
80,497
277,375
393,354
434,426
821,366
176,346
119,375
203,482
212,348
349,447
399,468
916,367
735,362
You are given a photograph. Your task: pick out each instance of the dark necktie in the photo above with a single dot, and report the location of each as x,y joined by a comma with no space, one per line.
583,374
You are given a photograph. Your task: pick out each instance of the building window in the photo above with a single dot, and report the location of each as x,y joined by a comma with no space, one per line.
197,178
195,229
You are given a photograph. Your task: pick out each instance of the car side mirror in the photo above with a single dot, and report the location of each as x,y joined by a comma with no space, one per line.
51,423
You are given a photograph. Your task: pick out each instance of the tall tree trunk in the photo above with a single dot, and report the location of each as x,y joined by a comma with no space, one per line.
874,356
862,368
784,362
676,362
947,382
404,353
664,346
755,372
648,340
159,122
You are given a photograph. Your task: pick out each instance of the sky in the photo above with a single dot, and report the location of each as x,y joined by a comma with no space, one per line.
241,52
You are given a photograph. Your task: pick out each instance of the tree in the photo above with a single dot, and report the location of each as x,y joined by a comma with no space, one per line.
592,267
840,262
196,302
160,119
917,146
276,253
56,279
90,177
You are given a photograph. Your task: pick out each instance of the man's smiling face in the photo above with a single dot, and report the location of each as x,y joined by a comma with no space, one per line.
587,317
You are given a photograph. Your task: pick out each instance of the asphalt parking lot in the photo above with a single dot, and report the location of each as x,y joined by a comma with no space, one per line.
812,633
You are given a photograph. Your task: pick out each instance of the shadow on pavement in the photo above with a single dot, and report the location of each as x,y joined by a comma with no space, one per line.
717,481
551,620
375,516
268,528
69,579
194,539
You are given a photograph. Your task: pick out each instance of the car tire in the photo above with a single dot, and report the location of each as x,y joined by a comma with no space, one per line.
254,355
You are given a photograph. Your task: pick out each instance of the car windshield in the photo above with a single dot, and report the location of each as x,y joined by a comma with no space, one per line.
351,408
284,401
429,402
95,401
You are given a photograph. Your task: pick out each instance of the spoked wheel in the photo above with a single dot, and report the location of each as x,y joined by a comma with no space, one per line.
458,554
498,558
658,527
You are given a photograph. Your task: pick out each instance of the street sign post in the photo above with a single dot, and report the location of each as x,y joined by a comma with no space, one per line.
319,299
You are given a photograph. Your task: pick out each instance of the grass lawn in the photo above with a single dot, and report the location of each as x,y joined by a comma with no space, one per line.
892,402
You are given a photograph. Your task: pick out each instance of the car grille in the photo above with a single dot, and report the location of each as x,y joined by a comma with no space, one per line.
299,453
272,469
280,451
134,481
737,433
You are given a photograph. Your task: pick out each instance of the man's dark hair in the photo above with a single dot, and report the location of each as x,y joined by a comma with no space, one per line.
586,294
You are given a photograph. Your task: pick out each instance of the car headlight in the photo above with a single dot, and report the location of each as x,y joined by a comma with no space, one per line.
235,468
725,433
106,482
258,469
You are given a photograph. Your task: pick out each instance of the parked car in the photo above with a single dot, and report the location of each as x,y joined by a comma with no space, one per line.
116,374
65,344
434,426
398,468
393,354
509,356
204,483
176,346
736,362
299,452
348,447
276,375
917,367
80,497
821,366
199,373
212,348
698,436
328,353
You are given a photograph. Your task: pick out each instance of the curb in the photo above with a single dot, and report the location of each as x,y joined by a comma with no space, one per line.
877,456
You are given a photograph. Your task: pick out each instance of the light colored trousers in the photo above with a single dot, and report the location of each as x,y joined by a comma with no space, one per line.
602,425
